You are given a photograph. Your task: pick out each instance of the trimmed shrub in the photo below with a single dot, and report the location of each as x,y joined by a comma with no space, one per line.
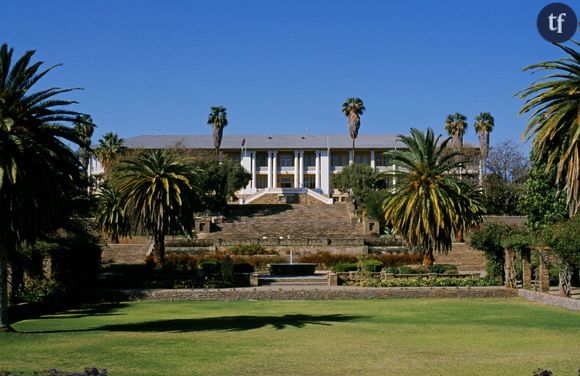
345,267
373,266
243,268
210,266
426,282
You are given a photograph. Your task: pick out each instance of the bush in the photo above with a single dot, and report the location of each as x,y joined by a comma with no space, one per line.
180,262
345,267
210,266
489,240
443,269
373,266
426,282
39,290
327,260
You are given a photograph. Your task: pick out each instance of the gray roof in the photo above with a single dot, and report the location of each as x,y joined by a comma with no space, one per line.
333,141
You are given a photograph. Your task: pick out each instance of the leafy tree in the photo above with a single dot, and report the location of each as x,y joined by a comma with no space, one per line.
429,204
217,182
455,125
157,188
353,108
110,213
564,240
484,124
542,202
488,239
37,168
218,120
554,125
111,147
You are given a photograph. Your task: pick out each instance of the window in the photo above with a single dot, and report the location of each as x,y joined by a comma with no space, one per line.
261,159
309,159
381,158
285,182
286,160
261,181
310,181
361,159
339,159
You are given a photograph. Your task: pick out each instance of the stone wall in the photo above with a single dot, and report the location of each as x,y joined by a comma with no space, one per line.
553,300
302,293
290,198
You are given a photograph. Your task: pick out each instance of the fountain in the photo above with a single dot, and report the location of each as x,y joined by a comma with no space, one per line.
291,268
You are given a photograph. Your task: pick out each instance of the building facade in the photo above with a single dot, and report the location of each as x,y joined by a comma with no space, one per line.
283,164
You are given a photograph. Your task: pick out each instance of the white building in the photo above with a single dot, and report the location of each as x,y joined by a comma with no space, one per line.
284,165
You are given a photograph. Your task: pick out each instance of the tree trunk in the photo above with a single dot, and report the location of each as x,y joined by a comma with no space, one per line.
159,248
565,277
428,258
510,269
4,323
353,150
543,272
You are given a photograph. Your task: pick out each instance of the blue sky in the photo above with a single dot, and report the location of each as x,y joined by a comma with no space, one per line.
156,67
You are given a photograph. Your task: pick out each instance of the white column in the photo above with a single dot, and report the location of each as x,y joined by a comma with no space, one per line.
394,178
325,172
350,157
269,184
317,170
296,172
301,169
274,169
372,159
253,154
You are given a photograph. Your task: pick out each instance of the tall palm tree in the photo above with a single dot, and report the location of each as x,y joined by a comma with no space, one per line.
455,125
85,128
157,188
218,120
110,213
36,165
429,204
353,108
111,147
554,124
484,124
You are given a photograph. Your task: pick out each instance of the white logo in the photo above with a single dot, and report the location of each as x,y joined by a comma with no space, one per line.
559,20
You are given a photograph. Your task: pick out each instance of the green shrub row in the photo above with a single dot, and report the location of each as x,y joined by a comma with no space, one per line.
426,282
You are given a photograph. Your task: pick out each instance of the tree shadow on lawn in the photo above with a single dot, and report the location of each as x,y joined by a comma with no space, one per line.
222,323
86,310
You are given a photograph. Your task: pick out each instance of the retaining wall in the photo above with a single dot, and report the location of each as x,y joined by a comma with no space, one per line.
301,293
553,300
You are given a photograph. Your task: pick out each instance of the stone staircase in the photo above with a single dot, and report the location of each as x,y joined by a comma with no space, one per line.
464,256
287,220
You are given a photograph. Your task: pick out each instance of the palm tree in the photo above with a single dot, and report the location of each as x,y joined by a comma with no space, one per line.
110,214
455,125
554,125
484,124
429,204
218,120
85,128
111,147
156,187
353,108
36,165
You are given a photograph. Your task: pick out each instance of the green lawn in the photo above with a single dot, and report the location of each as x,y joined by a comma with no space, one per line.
370,337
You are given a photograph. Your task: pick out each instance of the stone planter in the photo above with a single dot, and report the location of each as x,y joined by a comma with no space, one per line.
292,269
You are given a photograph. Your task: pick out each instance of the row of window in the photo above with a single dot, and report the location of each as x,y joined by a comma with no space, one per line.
285,181
337,159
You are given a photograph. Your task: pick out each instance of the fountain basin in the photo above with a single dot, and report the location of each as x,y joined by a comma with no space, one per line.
292,269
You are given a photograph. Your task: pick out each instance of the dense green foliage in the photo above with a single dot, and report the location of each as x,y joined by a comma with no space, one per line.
110,213
542,203
381,336
554,124
217,182
426,282
218,120
488,239
456,125
39,172
564,240
430,204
